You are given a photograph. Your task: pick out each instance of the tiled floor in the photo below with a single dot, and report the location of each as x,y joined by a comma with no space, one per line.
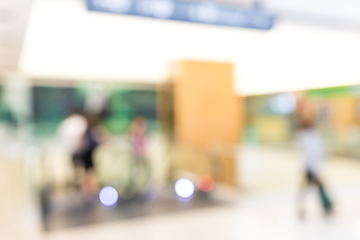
264,210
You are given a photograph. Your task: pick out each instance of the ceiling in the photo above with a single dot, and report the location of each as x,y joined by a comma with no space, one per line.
13,19
14,16
99,46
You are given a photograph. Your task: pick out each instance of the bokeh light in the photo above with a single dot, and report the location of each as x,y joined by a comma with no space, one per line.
206,183
108,196
184,188
284,103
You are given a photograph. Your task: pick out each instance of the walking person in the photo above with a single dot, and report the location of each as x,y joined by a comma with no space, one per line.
79,133
311,146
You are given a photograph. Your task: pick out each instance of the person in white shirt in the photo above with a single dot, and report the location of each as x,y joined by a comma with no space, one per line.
77,135
71,132
311,146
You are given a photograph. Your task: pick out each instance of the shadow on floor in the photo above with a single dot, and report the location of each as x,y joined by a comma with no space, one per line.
71,210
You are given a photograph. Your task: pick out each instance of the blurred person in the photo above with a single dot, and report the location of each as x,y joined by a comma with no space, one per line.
82,135
71,131
138,131
138,140
311,146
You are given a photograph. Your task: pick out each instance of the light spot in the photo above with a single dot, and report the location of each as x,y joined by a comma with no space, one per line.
108,196
284,103
184,188
206,183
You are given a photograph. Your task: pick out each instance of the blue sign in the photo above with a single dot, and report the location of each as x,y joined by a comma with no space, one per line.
198,12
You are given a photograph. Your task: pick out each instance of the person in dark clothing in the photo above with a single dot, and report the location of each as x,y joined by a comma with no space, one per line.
82,136
92,138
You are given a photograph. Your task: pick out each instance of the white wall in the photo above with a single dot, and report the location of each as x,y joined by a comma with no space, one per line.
64,40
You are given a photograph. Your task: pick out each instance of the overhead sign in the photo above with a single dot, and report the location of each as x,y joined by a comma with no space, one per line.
334,11
198,12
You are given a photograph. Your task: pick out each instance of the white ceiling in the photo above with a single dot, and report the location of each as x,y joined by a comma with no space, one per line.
57,26
13,20
90,45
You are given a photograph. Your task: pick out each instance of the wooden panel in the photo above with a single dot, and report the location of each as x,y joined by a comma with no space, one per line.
207,111
206,108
